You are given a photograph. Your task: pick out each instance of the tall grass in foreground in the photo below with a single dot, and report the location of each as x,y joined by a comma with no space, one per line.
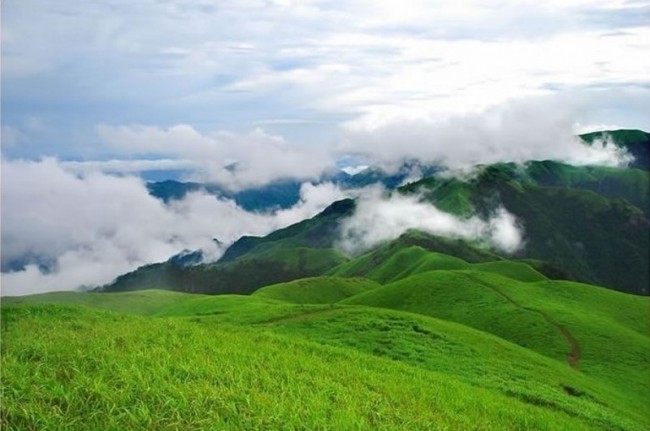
67,367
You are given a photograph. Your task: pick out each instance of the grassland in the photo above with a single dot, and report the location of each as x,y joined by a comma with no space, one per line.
443,349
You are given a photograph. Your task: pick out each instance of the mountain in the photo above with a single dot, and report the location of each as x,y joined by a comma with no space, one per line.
588,224
636,142
583,219
301,250
284,193
278,194
419,332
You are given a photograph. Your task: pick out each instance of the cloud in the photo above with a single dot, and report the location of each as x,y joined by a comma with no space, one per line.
379,218
237,64
121,166
88,229
232,160
532,128
526,129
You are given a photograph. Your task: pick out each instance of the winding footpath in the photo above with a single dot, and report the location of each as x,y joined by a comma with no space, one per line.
574,354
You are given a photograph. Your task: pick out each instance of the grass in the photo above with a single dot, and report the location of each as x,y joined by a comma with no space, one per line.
143,302
458,297
514,270
395,263
467,355
611,328
292,357
81,368
317,290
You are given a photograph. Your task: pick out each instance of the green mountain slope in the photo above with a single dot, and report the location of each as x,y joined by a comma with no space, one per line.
398,259
595,330
630,184
317,290
300,250
244,275
585,223
223,360
574,218
636,142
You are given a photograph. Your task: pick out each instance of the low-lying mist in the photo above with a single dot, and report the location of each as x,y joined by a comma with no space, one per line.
62,231
380,217
89,229
534,128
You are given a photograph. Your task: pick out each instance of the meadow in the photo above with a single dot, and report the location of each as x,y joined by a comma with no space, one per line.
445,349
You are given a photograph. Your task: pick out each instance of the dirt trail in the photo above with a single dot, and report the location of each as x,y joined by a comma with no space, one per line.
574,354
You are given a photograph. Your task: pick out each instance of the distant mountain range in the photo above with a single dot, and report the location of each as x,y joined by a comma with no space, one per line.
285,193
588,224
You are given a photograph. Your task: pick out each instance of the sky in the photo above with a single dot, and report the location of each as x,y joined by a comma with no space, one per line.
99,96
182,81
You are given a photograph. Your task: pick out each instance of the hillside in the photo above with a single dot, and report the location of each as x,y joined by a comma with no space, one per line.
581,223
278,194
301,250
636,142
581,219
337,365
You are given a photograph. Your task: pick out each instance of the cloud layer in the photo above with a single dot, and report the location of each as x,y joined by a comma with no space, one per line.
301,69
62,230
232,160
380,218
538,128
89,229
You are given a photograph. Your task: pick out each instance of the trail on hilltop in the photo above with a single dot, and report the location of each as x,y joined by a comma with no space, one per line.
574,354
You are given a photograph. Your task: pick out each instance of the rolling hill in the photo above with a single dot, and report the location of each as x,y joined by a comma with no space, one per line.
448,348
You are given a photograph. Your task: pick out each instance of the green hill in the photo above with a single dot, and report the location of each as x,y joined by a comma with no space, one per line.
250,362
515,270
397,260
317,290
596,330
591,221
584,223
300,250
636,142
144,302
245,275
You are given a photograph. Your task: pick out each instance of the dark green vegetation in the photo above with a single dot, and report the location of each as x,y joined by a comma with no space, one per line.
279,194
284,193
590,221
298,251
636,142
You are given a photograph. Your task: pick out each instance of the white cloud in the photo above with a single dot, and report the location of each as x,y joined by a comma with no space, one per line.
94,227
533,128
127,166
233,64
529,129
380,218
233,160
